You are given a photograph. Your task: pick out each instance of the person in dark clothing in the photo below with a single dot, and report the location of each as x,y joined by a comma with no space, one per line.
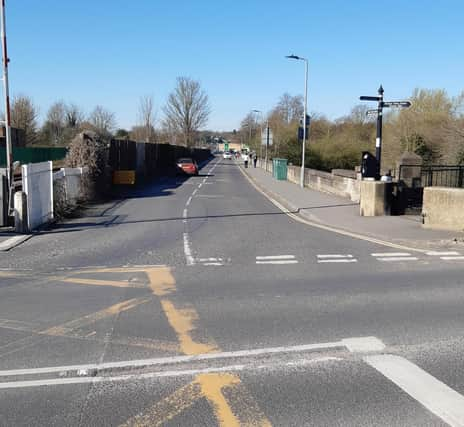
255,159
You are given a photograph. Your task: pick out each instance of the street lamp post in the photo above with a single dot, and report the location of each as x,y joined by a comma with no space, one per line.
260,133
299,58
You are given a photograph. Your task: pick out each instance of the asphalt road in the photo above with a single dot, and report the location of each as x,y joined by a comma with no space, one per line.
198,302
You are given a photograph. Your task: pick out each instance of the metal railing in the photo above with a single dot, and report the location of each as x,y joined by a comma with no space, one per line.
438,175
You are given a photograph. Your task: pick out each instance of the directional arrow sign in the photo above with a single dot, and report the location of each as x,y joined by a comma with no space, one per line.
370,98
397,104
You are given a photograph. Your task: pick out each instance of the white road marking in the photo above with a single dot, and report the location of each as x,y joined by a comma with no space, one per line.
189,201
213,263
199,186
393,259
363,344
210,196
345,260
195,191
452,258
209,259
171,360
438,253
436,396
275,257
393,254
187,251
278,262
335,256
164,374
184,213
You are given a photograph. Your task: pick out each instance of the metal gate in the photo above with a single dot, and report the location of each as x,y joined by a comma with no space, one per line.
410,189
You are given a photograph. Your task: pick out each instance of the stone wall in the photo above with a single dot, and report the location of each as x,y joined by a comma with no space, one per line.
443,208
340,182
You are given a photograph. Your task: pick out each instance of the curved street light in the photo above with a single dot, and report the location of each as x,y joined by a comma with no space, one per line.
300,58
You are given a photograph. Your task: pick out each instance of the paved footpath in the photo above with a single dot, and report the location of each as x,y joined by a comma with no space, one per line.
342,213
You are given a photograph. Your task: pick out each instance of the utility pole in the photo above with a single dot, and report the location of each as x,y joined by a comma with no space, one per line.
9,149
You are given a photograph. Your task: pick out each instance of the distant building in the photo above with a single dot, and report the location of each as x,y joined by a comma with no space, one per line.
18,137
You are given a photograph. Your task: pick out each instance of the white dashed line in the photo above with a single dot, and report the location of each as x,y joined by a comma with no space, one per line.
275,257
184,213
293,261
391,254
336,258
209,259
437,253
394,256
452,258
189,201
187,251
194,191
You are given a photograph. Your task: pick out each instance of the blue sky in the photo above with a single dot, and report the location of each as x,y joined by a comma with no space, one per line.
112,52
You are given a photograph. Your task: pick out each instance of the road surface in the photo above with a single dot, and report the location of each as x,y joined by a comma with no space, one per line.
198,302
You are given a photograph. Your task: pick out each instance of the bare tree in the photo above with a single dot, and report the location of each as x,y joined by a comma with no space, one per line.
187,109
55,124
74,116
147,117
290,107
24,117
103,121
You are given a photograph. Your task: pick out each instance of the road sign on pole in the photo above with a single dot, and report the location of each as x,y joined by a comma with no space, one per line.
370,98
379,112
266,136
396,104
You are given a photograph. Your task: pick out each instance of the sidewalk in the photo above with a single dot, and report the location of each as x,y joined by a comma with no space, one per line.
9,239
343,214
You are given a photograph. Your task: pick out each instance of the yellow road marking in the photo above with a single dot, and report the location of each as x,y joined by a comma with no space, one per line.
149,343
10,274
221,390
168,408
182,321
162,281
68,327
97,282
211,388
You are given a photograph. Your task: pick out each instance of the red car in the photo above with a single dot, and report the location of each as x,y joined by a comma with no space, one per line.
187,166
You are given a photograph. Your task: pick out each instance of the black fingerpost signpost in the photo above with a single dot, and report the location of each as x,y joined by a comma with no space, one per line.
380,106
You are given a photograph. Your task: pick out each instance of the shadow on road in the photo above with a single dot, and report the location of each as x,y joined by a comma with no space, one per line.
117,220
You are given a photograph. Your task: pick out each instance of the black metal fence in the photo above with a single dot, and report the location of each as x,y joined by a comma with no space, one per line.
437,175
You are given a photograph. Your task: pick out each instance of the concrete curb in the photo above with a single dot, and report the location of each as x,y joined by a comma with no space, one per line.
14,241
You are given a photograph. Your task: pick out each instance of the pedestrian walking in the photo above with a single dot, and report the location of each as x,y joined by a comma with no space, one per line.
255,159
246,159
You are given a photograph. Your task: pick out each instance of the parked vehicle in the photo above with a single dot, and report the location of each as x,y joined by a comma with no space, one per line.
227,155
187,166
